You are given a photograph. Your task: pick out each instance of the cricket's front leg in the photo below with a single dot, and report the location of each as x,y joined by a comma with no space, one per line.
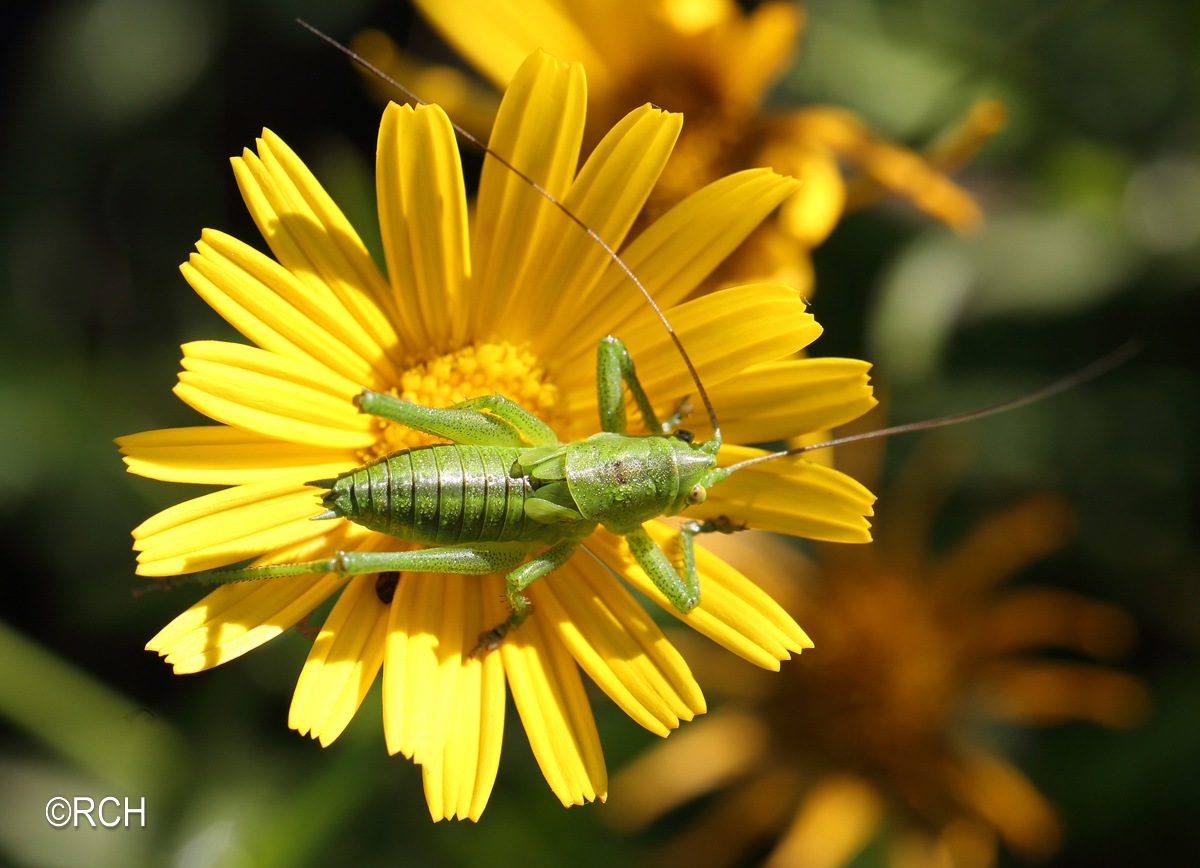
683,409
689,529
516,582
614,367
683,591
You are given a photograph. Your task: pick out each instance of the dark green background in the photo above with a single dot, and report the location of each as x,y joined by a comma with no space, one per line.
119,118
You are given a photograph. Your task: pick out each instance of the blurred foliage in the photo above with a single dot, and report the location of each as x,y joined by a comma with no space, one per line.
119,116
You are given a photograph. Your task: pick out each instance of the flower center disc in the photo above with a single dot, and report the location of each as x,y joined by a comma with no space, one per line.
469,372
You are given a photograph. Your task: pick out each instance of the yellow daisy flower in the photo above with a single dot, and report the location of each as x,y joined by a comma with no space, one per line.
516,306
881,733
712,61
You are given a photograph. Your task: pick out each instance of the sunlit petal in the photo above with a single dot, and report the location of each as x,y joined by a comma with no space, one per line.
538,131
223,455
459,781
550,698
342,665
618,645
423,218
704,757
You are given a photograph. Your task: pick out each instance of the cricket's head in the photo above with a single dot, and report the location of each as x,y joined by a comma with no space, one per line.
697,463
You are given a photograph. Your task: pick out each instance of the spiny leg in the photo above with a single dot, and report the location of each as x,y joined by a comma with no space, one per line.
718,524
457,424
476,559
533,429
682,591
516,582
614,365
688,530
683,409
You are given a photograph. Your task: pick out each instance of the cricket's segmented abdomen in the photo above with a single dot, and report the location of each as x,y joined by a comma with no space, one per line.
437,495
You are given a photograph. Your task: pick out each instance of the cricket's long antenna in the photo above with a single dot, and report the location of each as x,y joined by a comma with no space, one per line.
1102,365
612,254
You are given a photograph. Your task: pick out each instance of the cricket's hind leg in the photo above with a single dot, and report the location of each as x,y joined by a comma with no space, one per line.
475,559
458,424
516,582
533,429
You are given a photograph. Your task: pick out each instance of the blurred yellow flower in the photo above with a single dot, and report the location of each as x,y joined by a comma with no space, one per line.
880,730
714,62
515,306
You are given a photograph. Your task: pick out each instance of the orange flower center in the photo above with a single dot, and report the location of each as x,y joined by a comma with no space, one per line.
469,372
881,695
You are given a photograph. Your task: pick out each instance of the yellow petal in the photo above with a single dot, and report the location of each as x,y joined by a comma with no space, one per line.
538,131
678,251
778,400
342,664
724,333
896,168
251,613
733,611
267,304
810,214
698,760
967,842
497,35
1007,799
1045,692
554,709
984,119
792,496
423,219
1004,544
1033,618
305,247
768,255
618,645
733,826
692,17
839,816
823,456
235,618
422,664
221,455
332,250
758,49
284,398
227,526
754,603
257,188
607,196
285,166
470,102
459,782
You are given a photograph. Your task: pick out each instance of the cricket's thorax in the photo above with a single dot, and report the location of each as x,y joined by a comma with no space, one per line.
623,481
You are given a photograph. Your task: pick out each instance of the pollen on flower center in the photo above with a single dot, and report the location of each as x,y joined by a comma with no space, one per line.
469,372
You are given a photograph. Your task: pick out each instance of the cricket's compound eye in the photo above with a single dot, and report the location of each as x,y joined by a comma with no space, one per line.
697,494
684,435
